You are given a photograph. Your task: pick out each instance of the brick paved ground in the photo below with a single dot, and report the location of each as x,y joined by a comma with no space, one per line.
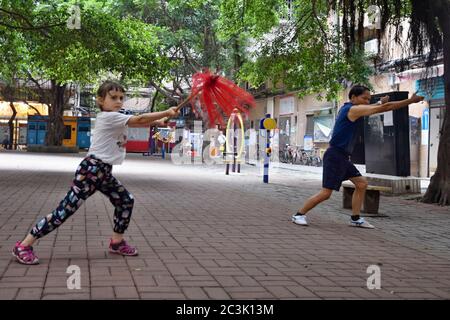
204,235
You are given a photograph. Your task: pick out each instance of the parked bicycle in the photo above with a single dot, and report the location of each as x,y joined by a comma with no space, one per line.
287,154
310,157
296,155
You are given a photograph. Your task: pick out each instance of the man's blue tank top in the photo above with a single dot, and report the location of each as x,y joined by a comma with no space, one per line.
343,136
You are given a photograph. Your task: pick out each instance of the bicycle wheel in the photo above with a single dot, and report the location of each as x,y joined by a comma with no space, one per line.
304,160
319,162
282,157
292,159
295,158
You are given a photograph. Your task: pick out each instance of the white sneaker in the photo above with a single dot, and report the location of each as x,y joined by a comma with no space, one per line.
298,219
361,223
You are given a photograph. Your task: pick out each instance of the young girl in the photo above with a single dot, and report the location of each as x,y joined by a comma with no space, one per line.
95,173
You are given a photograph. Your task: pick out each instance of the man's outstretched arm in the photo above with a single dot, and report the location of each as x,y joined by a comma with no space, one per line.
359,111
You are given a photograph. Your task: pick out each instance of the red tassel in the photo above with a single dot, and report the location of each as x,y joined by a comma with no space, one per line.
218,96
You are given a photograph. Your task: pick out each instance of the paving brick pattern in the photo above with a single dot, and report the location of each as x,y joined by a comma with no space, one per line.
204,235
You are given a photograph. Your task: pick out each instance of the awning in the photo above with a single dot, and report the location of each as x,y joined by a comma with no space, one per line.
419,73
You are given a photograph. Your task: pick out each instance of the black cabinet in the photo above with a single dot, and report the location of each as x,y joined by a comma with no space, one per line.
386,139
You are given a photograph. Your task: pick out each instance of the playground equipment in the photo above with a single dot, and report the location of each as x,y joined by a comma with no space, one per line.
234,142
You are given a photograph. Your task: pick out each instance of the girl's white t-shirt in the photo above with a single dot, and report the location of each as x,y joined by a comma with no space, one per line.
109,137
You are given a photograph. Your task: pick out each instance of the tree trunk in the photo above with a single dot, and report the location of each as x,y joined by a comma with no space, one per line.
55,130
11,126
206,48
237,58
152,108
439,189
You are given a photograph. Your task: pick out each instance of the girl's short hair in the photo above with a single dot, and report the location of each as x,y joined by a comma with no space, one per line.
357,90
106,87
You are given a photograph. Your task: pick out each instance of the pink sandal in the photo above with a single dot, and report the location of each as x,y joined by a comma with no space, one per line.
122,248
24,254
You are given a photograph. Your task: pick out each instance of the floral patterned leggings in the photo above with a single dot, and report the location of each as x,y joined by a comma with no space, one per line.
92,174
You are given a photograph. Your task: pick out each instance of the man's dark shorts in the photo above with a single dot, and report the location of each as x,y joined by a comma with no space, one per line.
337,168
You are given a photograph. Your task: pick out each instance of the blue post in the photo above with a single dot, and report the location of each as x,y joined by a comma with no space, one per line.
234,146
266,158
150,142
267,124
163,150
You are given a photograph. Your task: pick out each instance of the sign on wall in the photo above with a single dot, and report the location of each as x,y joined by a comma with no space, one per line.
308,143
322,128
425,126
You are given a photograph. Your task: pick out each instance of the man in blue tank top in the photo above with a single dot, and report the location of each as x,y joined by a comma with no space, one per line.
337,166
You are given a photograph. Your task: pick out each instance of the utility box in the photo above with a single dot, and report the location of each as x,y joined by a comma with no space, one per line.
83,132
386,139
37,130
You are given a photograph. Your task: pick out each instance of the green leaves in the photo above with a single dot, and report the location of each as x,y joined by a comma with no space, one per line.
127,47
142,40
302,54
254,17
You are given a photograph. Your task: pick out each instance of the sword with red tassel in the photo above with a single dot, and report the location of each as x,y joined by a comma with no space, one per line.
217,96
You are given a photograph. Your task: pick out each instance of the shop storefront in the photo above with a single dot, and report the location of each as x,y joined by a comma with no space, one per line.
19,138
432,119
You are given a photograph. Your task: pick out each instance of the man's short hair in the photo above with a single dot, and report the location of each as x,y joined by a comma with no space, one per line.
357,90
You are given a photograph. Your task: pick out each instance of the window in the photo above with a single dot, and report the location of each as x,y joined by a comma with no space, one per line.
323,126
287,106
67,132
309,125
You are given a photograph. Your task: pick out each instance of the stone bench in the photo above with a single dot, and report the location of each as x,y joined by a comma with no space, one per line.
371,200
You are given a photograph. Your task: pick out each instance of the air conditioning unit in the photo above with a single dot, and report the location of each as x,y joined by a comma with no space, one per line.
371,46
